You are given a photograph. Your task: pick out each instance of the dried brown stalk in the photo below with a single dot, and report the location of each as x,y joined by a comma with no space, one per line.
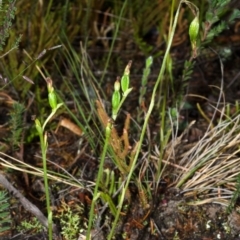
120,145
123,151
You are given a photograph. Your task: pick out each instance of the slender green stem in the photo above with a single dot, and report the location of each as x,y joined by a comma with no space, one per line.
44,146
99,177
49,7
43,142
51,115
164,100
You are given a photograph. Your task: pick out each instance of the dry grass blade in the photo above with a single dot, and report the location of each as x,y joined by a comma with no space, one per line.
213,163
9,162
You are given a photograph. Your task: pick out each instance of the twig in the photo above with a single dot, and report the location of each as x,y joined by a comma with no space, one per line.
25,202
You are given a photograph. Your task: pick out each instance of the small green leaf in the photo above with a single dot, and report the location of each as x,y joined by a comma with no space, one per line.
149,62
235,14
108,200
127,92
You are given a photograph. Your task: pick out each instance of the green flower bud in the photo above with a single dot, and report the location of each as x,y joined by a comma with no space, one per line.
125,82
116,98
38,126
193,31
117,86
125,78
108,129
52,98
49,85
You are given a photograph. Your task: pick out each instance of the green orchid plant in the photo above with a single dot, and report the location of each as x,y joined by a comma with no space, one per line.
52,98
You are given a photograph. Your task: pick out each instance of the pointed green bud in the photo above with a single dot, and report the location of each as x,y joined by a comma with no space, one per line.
108,129
125,78
52,98
38,126
125,83
117,86
49,85
194,31
116,98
